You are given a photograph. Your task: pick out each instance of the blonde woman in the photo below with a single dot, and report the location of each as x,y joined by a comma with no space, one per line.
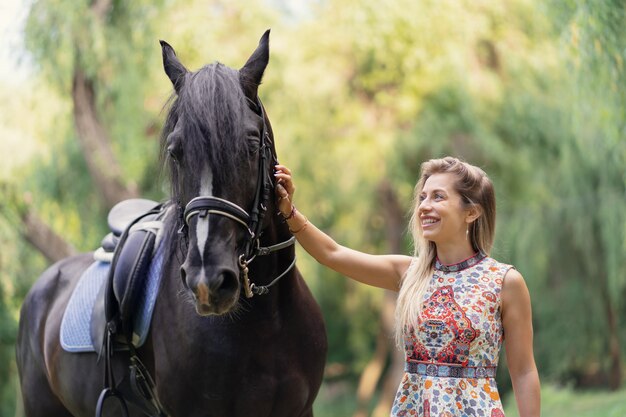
455,303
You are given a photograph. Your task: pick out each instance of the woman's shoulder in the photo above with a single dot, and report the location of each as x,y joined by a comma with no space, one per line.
511,277
496,266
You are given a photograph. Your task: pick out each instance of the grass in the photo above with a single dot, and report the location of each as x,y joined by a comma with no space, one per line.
555,402
566,402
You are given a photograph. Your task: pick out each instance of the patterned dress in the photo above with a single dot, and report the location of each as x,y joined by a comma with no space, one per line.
451,358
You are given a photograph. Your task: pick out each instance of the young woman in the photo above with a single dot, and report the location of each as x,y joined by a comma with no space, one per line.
455,303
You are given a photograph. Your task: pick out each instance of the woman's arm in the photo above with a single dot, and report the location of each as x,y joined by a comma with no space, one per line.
518,339
384,271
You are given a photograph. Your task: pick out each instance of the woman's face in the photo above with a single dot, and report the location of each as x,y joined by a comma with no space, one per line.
442,218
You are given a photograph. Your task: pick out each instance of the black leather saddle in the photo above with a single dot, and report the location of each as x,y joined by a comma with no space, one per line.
135,226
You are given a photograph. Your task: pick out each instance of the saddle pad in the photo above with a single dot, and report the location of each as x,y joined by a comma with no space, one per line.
76,323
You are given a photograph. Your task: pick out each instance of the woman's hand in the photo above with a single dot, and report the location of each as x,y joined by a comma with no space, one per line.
284,190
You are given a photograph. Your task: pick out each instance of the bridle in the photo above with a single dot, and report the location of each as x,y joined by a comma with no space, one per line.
252,222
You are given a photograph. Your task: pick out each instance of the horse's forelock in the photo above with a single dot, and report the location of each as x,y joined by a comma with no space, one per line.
213,107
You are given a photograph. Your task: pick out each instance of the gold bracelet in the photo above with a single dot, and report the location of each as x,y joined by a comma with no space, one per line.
306,223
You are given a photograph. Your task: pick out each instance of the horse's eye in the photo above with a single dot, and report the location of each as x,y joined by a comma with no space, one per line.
173,153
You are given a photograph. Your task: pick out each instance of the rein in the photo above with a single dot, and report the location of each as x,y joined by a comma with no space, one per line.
253,222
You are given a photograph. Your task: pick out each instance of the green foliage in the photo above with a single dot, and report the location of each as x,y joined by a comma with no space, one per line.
8,330
64,34
579,245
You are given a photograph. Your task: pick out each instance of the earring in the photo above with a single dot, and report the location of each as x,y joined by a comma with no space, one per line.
467,232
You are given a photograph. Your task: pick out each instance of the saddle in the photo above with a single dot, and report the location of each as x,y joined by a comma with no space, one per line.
135,227
130,247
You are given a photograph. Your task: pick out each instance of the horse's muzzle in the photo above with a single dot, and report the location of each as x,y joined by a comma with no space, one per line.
215,292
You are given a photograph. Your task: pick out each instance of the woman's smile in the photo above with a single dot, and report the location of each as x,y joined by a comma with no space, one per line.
428,222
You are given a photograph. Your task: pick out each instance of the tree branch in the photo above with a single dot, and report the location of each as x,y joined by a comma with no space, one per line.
44,239
34,230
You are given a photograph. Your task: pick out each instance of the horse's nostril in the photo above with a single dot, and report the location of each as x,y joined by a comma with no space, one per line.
230,283
225,282
183,275
216,283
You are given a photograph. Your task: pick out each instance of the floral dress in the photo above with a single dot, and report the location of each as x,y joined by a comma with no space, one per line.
451,358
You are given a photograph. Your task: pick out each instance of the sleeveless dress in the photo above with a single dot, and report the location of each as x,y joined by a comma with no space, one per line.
451,359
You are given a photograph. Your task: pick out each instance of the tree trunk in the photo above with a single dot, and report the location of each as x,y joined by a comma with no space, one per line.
396,367
395,227
43,238
372,372
95,143
92,135
611,315
615,371
385,345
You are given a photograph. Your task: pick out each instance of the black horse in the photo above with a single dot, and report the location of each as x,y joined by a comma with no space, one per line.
212,350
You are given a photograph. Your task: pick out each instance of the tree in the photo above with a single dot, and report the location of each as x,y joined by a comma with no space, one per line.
77,45
593,162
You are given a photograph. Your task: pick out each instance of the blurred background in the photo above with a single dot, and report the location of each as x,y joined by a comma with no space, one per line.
359,93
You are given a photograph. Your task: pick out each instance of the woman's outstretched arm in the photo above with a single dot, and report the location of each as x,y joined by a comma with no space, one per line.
384,271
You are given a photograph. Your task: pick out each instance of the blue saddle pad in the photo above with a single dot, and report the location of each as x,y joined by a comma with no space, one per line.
76,323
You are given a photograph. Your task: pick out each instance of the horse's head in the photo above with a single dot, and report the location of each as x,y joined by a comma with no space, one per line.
213,143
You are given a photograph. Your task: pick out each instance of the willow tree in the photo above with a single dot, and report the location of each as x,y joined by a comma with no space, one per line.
593,185
95,51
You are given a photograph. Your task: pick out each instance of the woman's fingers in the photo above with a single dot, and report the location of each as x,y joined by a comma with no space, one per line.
281,192
283,201
286,182
283,177
284,188
283,169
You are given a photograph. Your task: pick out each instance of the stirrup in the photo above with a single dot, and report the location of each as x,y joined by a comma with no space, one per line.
107,393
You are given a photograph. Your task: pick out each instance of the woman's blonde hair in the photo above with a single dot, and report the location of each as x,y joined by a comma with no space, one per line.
475,190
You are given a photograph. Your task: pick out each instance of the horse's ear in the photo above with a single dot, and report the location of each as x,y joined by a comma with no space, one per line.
252,72
173,67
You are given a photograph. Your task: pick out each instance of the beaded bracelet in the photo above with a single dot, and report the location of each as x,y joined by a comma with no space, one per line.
304,226
292,213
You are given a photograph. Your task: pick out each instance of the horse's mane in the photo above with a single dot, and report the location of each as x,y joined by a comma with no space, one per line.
213,105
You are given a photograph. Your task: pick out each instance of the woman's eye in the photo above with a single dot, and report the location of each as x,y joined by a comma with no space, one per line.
438,197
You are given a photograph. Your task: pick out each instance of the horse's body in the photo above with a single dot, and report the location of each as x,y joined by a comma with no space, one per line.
211,351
